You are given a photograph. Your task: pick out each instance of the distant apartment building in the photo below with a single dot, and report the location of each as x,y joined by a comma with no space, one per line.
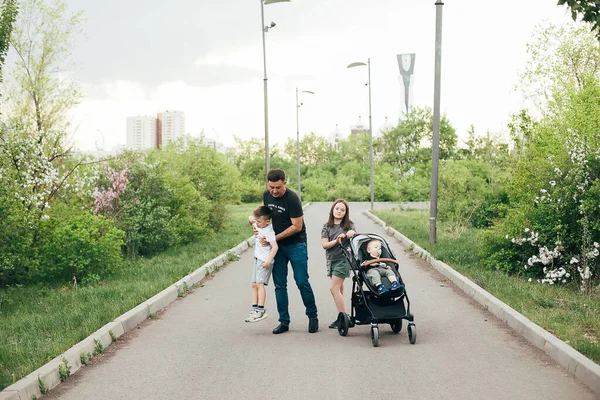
145,132
141,132
170,126
214,144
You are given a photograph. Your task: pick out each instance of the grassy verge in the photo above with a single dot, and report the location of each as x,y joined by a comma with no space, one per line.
562,311
39,323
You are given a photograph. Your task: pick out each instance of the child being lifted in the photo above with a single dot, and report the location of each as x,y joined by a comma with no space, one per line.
263,261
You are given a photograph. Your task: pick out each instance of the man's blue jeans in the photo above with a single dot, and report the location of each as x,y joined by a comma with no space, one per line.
297,255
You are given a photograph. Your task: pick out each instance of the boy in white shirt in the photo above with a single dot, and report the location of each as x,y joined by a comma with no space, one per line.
263,261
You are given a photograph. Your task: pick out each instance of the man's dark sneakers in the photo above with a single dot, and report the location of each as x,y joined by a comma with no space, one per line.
280,329
313,325
334,325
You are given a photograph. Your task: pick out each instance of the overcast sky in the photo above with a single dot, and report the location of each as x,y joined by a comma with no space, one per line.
138,57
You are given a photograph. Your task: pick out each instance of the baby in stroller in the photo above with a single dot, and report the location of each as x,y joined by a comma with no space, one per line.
376,270
368,252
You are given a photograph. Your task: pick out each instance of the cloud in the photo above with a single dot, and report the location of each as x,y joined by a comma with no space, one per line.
151,41
205,58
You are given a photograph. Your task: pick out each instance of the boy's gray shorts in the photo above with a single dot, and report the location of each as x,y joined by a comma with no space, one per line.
261,274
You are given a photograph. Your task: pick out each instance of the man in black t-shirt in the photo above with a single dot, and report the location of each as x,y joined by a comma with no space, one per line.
288,223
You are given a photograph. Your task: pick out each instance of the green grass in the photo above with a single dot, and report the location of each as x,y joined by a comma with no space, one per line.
39,323
562,311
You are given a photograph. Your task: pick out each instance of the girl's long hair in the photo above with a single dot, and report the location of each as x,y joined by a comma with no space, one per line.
345,224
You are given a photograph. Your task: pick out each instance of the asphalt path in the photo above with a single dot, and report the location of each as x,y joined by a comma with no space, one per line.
201,348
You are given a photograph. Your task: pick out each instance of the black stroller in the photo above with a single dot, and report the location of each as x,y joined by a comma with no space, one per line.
367,306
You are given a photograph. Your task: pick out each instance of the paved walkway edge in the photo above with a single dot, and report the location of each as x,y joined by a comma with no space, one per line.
28,387
576,363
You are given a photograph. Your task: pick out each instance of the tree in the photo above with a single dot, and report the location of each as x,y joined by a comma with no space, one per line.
589,10
209,172
521,128
44,92
401,145
409,143
562,59
33,155
355,148
7,19
247,150
488,148
314,149
33,144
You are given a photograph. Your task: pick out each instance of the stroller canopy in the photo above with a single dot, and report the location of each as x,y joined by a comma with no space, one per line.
359,244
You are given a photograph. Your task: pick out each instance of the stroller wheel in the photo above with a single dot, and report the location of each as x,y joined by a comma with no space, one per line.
375,335
396,326
343,323
412,333
352,322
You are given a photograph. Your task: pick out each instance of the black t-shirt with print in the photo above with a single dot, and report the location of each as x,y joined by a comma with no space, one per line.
285,208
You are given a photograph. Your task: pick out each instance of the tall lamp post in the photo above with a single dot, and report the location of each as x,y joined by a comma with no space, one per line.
298,139
265,28
435,143
368,64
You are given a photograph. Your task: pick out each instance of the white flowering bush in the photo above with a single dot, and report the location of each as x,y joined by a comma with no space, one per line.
551,233
563,207
36,173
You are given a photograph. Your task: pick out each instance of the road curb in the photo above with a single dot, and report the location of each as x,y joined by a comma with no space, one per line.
28,387
584,369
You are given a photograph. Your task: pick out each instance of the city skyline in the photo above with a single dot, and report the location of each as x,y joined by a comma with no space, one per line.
154,132
211,68
138,123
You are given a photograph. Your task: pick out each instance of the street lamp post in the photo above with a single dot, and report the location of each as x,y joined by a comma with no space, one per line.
435,143
372,185
298,139
264,28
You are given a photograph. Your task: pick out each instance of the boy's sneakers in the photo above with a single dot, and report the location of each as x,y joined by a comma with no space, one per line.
396,286
256,316
382,290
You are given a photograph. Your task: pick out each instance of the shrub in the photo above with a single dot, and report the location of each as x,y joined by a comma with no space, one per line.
191,210
150,228
386,183
346,189
77,246
210,173
251,191
17,254
415,185
463,189
314,190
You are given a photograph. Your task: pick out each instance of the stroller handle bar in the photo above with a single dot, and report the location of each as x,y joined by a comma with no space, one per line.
380,260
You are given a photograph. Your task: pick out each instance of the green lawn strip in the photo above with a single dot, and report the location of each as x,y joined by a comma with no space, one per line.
562,311
39,323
